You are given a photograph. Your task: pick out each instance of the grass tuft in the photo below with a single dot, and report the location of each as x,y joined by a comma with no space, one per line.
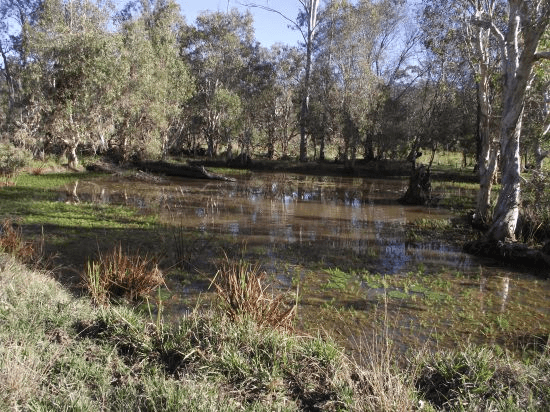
117,275
11,242
478,378
240,286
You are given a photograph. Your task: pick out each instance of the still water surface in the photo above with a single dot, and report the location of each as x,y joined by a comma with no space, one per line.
315,231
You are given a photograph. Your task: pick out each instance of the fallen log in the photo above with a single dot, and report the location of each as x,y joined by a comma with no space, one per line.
511,252
171,169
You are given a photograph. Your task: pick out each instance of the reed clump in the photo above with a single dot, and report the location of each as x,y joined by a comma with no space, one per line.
241,287
117,275
12,243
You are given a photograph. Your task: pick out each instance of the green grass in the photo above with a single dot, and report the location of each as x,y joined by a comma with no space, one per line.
36,199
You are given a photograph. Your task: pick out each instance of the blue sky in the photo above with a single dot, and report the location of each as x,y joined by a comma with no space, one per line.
269,27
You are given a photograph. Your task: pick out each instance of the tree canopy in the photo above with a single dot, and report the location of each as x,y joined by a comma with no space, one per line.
373,79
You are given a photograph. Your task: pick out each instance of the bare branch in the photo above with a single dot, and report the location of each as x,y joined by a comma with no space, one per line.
272,10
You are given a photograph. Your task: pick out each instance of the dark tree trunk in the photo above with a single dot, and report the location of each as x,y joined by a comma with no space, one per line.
419,191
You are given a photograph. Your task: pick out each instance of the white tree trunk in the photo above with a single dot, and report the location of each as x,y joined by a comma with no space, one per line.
506,213
487,161
311,7
481,61
519,43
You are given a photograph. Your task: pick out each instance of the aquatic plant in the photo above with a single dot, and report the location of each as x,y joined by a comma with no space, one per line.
117,275
240,286
338,279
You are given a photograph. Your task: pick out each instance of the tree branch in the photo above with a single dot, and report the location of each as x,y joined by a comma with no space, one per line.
272,10
489,24
544,55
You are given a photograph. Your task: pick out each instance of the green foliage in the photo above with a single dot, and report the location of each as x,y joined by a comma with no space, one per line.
12,159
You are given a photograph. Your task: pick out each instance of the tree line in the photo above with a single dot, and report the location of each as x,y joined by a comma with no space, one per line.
373,79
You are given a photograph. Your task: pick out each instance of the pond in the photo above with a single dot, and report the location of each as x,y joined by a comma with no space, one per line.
361,265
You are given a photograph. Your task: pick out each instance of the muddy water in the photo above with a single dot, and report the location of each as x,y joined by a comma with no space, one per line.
357,257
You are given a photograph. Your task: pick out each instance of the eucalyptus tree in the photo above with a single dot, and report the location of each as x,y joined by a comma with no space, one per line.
355,48
449,28
218,49
68,72
515,28
306,22
280,101
16,16
154,82
518,39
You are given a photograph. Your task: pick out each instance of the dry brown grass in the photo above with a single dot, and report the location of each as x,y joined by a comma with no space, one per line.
116,275
242,290
37,171
11,242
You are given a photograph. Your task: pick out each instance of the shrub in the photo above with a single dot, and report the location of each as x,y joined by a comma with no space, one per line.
12,159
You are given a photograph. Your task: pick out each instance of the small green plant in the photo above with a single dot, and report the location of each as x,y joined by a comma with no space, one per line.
116,275
240,286
338,279
432,224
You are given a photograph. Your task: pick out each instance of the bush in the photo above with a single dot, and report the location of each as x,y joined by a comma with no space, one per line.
12,159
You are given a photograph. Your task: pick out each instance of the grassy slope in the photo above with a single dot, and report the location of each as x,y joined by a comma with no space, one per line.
60,353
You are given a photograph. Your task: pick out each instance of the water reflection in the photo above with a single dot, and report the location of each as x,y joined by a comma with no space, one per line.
319,218
299,227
